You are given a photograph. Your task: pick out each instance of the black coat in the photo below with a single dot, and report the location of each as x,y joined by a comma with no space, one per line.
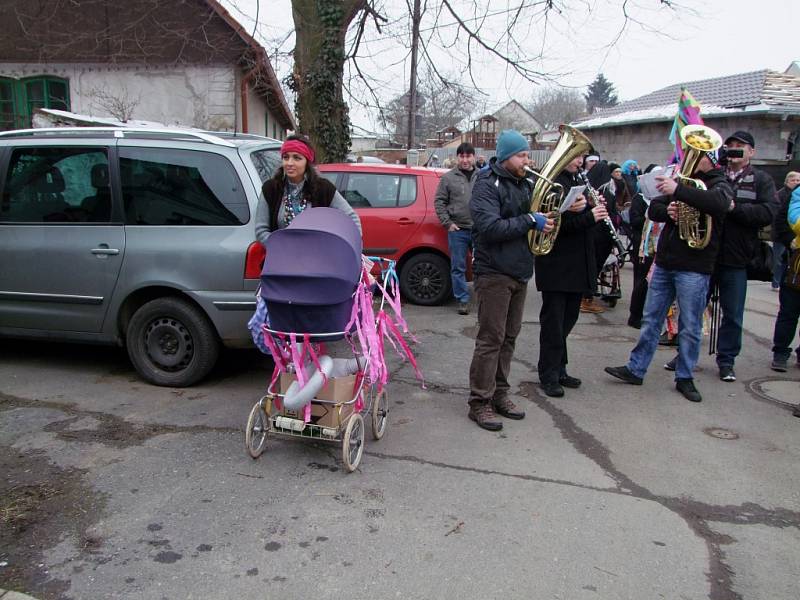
674,253
570,265
500,207
755,208
781,232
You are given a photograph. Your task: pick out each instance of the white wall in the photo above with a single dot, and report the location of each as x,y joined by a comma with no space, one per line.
204,97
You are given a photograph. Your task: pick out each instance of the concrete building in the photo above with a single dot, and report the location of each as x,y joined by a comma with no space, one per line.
765,103
184,63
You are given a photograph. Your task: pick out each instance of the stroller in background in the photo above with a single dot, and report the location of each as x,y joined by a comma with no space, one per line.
609,284
314,285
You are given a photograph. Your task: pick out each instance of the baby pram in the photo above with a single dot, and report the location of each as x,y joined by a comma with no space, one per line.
609,283
313,283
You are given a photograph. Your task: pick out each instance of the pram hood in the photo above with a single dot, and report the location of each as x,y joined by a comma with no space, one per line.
314,262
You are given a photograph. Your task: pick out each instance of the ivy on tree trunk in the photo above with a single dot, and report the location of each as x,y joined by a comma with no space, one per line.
319,55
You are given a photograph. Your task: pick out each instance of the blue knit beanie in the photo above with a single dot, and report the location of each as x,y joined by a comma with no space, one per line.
509,143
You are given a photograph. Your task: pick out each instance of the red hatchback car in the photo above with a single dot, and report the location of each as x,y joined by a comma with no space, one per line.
398,219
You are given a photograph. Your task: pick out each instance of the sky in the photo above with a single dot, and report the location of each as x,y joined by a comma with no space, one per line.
690,41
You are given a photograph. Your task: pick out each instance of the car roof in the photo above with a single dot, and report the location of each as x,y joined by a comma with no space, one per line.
382,168
218,138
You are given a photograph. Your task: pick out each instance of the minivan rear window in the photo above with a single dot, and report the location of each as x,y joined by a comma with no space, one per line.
266,162
180,187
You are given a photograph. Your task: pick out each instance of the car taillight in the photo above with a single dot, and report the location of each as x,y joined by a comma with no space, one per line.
254,261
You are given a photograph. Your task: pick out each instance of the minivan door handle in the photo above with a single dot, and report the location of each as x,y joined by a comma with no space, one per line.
104,250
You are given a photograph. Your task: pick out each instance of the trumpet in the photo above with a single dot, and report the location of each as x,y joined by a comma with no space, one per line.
595,198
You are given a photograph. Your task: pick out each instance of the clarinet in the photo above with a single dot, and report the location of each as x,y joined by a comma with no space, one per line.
596,199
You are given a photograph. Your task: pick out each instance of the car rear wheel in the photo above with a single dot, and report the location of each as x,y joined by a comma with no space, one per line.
425,279
171,343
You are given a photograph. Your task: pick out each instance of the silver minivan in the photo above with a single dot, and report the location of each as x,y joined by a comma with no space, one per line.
141,237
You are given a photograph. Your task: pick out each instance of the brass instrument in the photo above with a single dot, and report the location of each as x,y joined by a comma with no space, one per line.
547,194
693,225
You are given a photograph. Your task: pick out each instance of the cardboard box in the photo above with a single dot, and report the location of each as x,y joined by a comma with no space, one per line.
338,389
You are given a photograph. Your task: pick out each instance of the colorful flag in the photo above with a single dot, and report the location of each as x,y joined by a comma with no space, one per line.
688,114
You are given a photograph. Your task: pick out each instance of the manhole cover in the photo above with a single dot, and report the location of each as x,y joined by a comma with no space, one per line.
720,433
777,390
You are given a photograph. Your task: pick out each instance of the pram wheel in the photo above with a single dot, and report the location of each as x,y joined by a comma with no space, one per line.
353,442
255,435
380,414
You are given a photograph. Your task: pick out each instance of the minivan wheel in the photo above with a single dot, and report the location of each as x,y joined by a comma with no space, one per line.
425,279
171,343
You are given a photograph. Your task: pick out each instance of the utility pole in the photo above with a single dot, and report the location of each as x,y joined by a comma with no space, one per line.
412,93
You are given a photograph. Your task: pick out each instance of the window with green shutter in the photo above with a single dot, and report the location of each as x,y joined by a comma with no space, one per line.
20,97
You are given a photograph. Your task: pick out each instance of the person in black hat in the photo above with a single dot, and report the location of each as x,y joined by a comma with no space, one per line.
754,206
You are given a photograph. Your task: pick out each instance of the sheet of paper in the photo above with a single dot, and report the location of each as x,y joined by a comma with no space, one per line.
647,184
569,199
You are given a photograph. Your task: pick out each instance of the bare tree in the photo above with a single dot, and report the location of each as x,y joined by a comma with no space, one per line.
440,104
467,33
119,105
555,105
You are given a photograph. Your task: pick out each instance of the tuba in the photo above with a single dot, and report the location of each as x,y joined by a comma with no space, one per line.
547,194
693,225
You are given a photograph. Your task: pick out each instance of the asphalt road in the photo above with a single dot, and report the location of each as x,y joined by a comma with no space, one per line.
117,489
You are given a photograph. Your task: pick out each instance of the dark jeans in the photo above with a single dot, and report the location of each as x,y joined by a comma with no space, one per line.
639,287
786,323
501,300
459,243
732,283
778,263
558,316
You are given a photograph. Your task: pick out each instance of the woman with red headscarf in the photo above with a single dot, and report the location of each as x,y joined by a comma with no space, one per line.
295,186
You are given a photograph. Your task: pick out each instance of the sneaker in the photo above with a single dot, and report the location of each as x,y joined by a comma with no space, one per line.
552,389
727,374
463,308
686,387
508,409
483,415
624,374
671,365
780,364
569,382
588,306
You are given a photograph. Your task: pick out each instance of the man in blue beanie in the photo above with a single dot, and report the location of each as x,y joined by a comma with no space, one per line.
503,265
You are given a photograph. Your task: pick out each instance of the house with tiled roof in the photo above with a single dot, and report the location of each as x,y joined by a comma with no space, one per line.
765,103
187,63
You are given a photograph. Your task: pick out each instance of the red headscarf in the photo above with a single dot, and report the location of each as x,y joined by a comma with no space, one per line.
300,147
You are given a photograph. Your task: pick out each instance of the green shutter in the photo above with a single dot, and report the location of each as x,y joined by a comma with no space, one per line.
8,107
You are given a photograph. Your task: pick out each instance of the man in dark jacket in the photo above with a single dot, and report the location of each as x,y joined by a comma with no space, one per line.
789,298
452,208
564,276
754,207
682,272
503,265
